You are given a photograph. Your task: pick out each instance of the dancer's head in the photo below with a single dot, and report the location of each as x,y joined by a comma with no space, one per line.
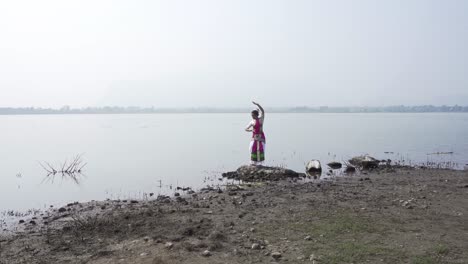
255,114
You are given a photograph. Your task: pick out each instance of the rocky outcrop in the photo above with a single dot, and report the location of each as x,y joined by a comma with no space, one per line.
251,173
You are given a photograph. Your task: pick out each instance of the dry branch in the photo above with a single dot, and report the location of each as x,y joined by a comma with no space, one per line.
71,170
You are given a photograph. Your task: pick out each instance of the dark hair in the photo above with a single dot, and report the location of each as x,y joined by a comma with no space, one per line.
255,112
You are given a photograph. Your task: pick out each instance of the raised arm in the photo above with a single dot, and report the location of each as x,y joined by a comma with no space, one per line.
260,107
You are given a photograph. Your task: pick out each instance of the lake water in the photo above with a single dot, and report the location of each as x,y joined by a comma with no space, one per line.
129,156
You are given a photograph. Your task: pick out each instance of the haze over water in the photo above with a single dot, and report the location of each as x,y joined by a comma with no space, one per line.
130,155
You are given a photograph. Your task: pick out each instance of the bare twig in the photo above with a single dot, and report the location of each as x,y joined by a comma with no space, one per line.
71,169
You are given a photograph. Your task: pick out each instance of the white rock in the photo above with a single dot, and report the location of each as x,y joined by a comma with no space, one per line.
168,245
206,253
255,246
313,166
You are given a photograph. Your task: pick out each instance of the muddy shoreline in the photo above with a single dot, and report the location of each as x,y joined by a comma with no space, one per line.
397,216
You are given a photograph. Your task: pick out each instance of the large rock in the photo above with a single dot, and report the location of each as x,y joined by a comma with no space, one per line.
335,165
261,173
313,167
365,162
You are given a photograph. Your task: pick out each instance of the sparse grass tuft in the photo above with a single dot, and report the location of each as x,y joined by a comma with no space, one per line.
337,225
441,249
424,260
354,252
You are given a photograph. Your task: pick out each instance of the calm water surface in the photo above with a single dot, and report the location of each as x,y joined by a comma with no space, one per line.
130,155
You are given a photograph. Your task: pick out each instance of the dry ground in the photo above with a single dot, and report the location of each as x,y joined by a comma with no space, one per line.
407,216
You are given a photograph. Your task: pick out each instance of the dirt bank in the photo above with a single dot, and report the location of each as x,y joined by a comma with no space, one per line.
407,216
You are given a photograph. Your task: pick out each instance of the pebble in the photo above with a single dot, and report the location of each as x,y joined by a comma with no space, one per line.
276,255
312,257
206,253
255,246
252,230
144,254
308,238
168,245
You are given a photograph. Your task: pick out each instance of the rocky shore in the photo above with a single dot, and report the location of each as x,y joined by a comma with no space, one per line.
402,215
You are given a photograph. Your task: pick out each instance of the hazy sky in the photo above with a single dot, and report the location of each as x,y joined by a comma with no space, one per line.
177,53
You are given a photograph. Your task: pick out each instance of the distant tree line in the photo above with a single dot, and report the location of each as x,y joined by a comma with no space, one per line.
383,109
304,109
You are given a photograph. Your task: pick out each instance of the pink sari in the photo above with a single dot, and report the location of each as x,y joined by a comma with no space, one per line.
257,145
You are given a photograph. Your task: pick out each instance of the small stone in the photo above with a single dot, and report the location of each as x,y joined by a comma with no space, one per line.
312,257
134,201
176,194
255,246
144,254
252,230
21,221
168,245
206,253
308,238
32,222
61,210
276,255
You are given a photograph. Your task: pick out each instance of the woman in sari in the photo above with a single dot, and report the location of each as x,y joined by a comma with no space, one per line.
257,144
